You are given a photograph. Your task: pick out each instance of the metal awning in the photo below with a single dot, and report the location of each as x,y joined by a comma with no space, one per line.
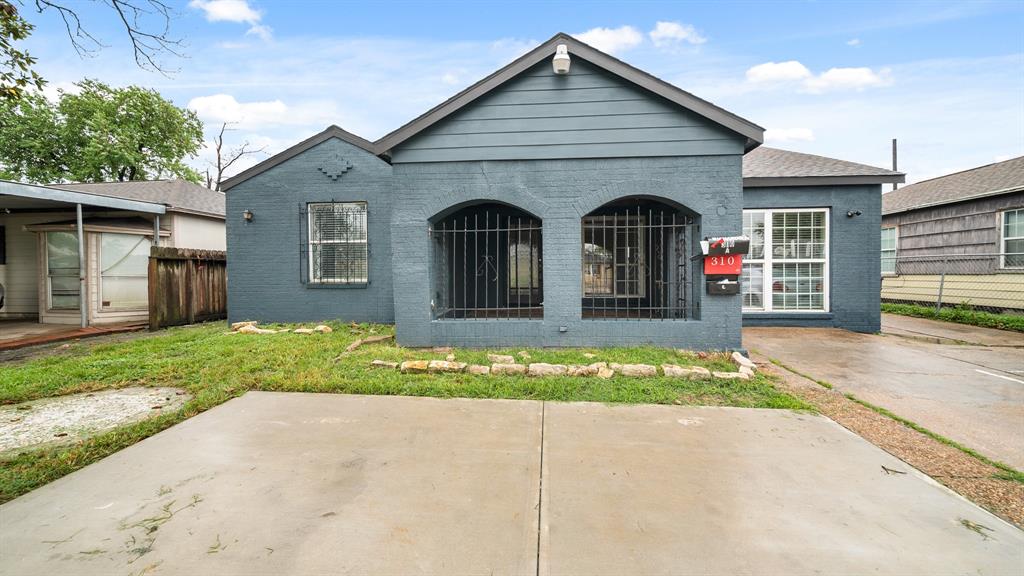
18,196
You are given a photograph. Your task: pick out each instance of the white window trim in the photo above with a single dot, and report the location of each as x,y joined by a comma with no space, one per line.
310,243
895,250
100,276
1003,239
49,287
767,260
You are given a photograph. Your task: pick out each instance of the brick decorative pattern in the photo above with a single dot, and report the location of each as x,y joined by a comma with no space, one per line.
263,267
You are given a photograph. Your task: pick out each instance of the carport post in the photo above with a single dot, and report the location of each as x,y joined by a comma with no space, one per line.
83,302
156,229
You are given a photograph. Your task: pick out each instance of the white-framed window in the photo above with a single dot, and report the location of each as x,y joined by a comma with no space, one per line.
124,271
1012,234
62,271
787,267
338,249
890,239
613,256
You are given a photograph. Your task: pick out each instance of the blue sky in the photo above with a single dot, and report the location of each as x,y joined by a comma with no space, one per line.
837,79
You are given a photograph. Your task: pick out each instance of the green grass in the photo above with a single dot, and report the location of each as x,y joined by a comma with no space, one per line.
961,315
1006,472
215,367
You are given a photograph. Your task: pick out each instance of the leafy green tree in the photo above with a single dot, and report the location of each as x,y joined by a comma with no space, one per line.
16,72
101,134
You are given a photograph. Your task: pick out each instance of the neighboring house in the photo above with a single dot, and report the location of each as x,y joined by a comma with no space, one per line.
545,209
39,245
963,231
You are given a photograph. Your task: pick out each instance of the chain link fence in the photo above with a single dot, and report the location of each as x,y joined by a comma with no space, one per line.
989,282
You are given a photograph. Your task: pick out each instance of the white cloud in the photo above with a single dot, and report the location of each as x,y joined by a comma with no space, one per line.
771,72
53,90
671,34
238,11
450,78
853,42
773,135
611,40
219,108
847,79
793,72
261,31
1003,157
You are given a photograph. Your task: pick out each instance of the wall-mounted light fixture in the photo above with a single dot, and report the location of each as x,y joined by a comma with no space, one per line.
560,63
853,213
247,215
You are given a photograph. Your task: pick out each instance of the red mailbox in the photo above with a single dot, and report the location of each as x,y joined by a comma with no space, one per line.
723,264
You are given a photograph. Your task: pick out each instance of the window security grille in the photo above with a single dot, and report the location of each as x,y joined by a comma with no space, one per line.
334,250
487,263
636,264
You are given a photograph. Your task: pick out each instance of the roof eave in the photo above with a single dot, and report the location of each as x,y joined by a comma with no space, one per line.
780,181
55,194
954,200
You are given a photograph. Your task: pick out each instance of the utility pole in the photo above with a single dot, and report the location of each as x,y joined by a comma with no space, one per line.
894,169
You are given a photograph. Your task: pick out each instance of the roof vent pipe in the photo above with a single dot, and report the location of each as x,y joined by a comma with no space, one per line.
560,63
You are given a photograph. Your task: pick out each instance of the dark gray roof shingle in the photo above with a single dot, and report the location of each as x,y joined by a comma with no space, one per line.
178,195
988,180
765,162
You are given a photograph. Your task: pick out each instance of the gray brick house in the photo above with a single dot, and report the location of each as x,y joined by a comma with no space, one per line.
555,209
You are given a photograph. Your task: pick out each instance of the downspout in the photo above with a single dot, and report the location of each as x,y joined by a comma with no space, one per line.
156,229
83,300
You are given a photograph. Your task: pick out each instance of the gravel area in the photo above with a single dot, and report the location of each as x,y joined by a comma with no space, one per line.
955,469
66,419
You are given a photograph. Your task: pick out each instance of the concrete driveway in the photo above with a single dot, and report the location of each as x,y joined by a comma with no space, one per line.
274,483
964,383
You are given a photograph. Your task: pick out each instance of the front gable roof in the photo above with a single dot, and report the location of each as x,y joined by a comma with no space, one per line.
753,133
331,131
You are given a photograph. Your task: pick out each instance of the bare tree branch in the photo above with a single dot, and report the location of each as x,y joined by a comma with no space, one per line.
224,160
149,43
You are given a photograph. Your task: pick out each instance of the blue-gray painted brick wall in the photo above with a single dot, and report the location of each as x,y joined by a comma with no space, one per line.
263,266
854,254
560,192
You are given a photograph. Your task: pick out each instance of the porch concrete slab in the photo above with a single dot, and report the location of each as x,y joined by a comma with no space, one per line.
672,490
943,332
276,483
973,395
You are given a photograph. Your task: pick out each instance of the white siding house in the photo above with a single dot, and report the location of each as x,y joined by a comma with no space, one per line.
39,251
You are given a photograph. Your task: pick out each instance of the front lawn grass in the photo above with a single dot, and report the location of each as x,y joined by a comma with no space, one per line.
215,367
960,315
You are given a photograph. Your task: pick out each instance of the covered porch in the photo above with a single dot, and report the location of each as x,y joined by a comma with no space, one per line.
72,259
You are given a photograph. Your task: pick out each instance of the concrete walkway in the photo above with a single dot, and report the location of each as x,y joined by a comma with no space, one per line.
973,394
275,483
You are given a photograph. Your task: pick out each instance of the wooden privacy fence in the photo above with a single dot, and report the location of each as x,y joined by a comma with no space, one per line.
186,286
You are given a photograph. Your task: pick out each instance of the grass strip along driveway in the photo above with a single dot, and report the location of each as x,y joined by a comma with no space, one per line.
215,366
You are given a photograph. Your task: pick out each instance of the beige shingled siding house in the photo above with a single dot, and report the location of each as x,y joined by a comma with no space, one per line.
961,235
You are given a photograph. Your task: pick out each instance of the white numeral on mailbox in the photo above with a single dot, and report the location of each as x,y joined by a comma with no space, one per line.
721,260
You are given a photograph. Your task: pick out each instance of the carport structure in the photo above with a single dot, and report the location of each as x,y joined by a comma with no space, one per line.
19,203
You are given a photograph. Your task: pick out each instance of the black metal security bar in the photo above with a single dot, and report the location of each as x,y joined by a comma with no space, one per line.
333,243
635,263
487,264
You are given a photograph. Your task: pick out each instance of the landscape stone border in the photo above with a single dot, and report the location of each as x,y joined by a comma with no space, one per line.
506,365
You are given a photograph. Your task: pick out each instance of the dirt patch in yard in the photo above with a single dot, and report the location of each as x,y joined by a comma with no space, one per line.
66,419
970,477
